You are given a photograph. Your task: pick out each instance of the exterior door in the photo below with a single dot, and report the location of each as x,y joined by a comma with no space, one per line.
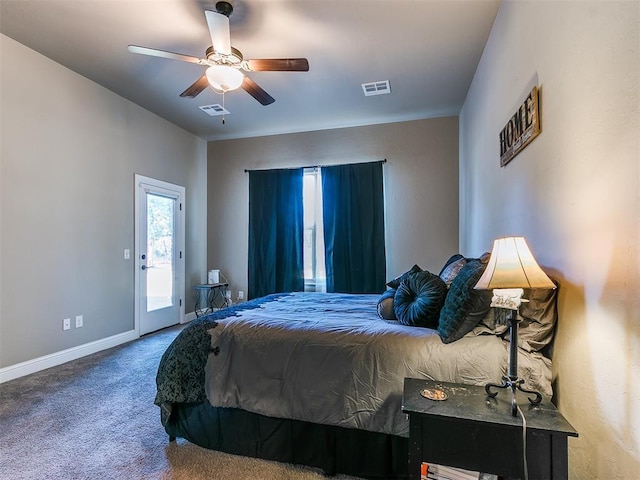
159,262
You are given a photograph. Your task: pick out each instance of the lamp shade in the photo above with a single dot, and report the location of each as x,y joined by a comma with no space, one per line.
512,266
224,78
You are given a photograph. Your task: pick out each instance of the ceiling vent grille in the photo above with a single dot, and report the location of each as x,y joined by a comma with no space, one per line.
376,88
214,110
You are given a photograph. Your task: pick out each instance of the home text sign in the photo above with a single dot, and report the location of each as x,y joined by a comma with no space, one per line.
521,128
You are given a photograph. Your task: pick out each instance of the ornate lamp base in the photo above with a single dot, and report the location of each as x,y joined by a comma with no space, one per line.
513,385
512,381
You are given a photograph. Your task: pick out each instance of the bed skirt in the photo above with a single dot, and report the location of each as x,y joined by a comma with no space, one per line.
360,453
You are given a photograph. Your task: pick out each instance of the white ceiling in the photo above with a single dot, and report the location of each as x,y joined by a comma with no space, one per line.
427,49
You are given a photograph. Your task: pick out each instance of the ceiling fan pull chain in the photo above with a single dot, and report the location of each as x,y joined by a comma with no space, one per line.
223,120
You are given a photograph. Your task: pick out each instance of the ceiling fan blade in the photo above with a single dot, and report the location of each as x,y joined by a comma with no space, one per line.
256,91
279,65
196,89
219,30
164,54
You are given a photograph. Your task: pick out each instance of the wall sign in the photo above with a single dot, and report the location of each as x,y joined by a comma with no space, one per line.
521,128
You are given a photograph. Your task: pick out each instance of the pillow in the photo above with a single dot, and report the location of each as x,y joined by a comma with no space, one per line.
385,305
485,257
452,259
419,299
452,268
493,323
464,307
395,283
538,319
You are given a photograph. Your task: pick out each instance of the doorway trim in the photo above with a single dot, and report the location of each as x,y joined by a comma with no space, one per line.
180,234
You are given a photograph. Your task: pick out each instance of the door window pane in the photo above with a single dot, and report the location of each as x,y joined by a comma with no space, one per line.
160,251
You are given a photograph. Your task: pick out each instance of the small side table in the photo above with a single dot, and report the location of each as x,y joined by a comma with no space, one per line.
210,297
472,431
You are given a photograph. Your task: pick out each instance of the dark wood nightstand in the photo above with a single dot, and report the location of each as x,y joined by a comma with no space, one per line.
473,431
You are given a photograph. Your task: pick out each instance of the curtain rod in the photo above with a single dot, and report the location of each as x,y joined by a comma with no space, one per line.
312,166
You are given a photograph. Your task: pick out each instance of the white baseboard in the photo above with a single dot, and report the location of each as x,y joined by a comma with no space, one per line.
54,359
64,356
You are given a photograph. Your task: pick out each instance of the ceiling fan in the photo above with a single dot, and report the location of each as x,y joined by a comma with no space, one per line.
225,63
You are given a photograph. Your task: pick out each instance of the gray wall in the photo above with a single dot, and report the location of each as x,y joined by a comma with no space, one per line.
69,152
421,188
574,194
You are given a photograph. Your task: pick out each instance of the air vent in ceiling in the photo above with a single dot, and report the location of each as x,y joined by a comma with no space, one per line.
214,110
376,88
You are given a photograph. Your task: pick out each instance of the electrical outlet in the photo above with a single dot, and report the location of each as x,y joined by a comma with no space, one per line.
127,254
66,324
79,321
240,295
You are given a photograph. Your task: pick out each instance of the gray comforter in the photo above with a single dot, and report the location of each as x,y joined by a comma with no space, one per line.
329,359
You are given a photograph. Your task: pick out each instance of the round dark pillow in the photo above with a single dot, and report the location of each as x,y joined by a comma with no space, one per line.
419,298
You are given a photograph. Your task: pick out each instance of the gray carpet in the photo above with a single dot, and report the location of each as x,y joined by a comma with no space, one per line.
94,418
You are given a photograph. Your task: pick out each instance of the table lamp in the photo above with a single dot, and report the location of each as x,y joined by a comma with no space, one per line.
512,268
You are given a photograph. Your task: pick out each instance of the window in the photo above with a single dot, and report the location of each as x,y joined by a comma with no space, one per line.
316,230
313,243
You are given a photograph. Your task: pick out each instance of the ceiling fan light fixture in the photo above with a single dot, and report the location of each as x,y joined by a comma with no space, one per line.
223,78
226,63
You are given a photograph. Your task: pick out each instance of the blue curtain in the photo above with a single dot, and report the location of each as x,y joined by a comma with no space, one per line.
353,216
276,232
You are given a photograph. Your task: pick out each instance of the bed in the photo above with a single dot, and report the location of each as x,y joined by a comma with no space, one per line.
316,378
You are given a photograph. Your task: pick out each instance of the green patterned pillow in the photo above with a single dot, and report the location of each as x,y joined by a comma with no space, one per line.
464,307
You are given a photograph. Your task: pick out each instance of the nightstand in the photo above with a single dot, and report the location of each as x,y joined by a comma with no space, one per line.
473,431
214,296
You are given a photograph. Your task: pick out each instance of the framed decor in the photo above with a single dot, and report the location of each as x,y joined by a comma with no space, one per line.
521,129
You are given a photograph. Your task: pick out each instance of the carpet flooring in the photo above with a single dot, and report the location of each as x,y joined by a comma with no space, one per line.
94,418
